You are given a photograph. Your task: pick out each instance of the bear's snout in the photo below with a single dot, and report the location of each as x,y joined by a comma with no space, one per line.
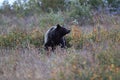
68,31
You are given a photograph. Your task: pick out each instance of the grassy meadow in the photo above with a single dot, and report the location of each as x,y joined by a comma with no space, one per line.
92,53
93,46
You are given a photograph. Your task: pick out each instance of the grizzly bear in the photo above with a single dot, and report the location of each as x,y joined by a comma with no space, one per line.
55,37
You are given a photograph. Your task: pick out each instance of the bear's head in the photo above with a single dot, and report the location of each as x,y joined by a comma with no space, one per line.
61,30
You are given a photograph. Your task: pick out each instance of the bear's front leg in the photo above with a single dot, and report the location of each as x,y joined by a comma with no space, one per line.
62,42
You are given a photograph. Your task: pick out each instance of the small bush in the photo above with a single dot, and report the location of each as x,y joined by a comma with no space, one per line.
21,38
13,39
55,5
80,12
36,37
51,19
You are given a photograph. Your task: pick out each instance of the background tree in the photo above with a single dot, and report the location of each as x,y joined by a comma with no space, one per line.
55,5
6,8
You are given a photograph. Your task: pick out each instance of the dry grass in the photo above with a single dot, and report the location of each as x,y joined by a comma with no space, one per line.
94,55
71,64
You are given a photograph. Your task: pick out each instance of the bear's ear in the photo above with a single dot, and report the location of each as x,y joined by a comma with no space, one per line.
58,26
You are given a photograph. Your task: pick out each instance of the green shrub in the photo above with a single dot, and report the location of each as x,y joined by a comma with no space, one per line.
13,39
51,19
96,3
55,5
36,38
80,12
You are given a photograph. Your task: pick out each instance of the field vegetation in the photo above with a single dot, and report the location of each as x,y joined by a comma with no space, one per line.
93,46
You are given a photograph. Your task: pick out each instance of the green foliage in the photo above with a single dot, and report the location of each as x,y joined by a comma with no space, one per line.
83,2
36,38
68,40
18,37
5,8
34,6
112,56
18,8
55,5
80,11
77,8
79,67
13,39
50,19
114,3
96,3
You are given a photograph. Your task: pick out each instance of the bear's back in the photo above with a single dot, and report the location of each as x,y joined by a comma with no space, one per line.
49,33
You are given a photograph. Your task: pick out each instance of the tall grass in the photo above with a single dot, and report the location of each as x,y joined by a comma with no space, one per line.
70,64
92,54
